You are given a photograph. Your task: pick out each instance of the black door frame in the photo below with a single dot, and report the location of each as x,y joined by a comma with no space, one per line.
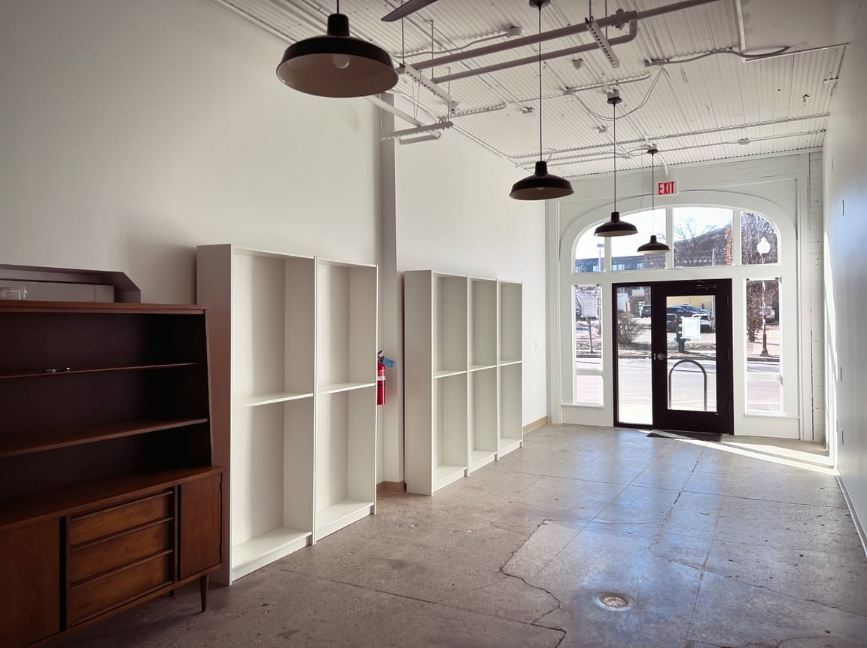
722,420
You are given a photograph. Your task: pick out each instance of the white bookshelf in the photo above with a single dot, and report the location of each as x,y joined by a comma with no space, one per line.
482,400
456,363
483,323
346,395
511,430
272,489
293,363
483,418
510,323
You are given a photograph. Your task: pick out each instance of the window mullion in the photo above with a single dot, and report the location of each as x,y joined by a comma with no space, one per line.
669,237
737,256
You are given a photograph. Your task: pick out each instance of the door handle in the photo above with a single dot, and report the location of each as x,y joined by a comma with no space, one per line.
659,356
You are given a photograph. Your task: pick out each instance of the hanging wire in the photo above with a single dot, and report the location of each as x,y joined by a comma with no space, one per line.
652,194
540,83
606,15
615,155
432,45
747,57
638,107
643,175
338,6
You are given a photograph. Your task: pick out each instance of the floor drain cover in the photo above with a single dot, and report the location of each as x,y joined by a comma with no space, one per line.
614,601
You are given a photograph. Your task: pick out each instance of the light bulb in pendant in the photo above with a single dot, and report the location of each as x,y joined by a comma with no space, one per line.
340,61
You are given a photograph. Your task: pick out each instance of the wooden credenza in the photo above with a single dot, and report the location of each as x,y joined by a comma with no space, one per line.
108,495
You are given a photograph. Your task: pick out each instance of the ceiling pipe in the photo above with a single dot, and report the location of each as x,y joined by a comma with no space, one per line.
588,47
416,131
742,32
709,131
581,159
397,112
618,20
430,137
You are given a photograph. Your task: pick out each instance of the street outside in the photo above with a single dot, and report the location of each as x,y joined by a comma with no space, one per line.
687,381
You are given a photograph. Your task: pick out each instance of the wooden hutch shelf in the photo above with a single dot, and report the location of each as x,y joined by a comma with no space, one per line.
108,491
66,438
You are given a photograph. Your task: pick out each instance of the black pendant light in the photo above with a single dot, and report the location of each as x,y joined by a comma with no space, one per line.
337,65
615,226
653,246
541,185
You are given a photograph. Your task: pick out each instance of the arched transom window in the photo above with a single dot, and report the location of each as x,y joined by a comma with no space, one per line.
698,236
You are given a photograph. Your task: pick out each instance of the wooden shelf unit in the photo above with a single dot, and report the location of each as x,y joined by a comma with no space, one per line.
108,492
462,337
294,375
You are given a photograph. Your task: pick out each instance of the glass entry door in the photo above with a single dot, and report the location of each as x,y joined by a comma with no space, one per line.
673,360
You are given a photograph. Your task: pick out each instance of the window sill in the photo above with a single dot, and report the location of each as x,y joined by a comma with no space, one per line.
776,415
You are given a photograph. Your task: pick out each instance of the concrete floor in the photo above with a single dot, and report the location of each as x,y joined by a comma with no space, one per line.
716,544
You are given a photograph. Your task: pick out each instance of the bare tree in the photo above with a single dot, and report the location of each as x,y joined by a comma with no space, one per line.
701,245
628,329
754,228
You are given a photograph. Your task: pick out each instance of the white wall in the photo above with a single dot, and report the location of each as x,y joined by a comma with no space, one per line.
846,271
454,215
133,131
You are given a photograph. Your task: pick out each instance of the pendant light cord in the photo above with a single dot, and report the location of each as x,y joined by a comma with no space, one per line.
338,6
615,157
653,188
540,83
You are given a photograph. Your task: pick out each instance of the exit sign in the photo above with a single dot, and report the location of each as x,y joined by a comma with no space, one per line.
667,188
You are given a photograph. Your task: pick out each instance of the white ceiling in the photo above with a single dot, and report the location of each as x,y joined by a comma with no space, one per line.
800,23
718,107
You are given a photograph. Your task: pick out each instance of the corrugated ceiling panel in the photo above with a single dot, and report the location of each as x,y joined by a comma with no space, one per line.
712,93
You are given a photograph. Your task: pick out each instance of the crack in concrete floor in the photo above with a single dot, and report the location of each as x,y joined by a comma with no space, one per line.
510,557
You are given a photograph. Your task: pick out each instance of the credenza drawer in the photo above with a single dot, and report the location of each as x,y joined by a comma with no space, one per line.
100,556
102,593
98,524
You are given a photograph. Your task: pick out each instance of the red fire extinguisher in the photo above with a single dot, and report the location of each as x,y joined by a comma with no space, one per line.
380,382
381,363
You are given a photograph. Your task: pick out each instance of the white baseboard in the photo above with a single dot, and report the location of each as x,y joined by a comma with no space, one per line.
858,527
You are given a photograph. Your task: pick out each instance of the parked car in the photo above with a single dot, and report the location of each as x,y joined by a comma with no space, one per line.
692,309
705,323
670,322
645,311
